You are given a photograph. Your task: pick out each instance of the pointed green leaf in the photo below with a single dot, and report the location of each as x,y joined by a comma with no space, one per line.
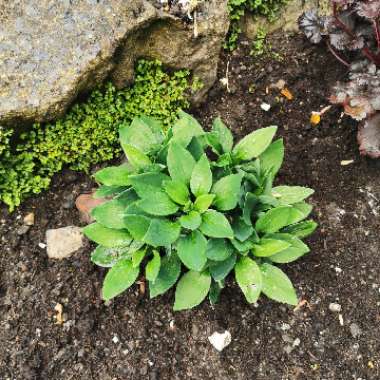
215,224
273,156
277,286
137,225
223,134
162,233
177,191
302,229
114,175
148,183
153,267
119,278
269,247
191,221
137,257
215,290
296,249
185,128
227,192
249,278
192,289
106,236
191,249
252,145
168,275
137,134
136,157
107,257
203,202
277,218
288,195
108,191
242,231
201,177
220,269
158,204
180,163
218,249
304,208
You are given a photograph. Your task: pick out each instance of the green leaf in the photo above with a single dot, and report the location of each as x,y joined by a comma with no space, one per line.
273,156
296,249
220,269
227,192
215,290
242,231
137,225
168,275
249,278
192,289
191,249
158,204
152,269
162,233
304,208
119,278
252,145
203,202
148,184
177,191
201,177
108,191
107,257
137,134
111,214
137,257
196,147
277,286
136,157
191,221
269,247
215,224
245,246
180,163
106,236
302,229
277,218
250,202
156,126
185,128
288,195
218,249
114,175
223,134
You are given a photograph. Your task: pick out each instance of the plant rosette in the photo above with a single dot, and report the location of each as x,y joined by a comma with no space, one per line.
182,218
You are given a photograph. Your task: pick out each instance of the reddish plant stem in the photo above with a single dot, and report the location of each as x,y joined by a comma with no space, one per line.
336,55
365,50
377,30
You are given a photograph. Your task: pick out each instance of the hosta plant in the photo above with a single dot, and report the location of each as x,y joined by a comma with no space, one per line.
190,207
352,34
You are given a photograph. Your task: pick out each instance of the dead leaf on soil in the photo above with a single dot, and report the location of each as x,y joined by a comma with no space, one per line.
301,304
287,94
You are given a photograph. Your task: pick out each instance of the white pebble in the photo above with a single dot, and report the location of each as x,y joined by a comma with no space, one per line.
220,341
115,339
265,107
335,307
42,245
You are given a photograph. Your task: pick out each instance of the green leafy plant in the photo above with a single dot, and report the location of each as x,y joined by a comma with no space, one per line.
238,8
88,133
172,206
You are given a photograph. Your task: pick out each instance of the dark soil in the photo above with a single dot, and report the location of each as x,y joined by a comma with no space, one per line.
132,338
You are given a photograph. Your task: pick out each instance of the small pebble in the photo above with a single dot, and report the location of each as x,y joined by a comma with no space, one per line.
265,107
335,307
220,341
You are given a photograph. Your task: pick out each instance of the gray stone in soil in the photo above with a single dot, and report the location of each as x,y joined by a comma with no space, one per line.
53,51
63,242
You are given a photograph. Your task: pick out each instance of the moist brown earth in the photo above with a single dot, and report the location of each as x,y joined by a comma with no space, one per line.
137,338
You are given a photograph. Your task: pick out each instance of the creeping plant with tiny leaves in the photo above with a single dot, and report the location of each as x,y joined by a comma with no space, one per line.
191,208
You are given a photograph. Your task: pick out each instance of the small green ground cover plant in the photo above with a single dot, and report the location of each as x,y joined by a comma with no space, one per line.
88,134
238,8
172,207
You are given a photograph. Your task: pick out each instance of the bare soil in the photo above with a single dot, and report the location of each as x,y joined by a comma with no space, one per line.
136,338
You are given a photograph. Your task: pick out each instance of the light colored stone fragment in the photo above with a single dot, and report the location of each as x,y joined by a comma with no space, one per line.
63,242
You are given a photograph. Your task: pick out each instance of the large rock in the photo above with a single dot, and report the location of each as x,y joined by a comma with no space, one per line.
52,51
